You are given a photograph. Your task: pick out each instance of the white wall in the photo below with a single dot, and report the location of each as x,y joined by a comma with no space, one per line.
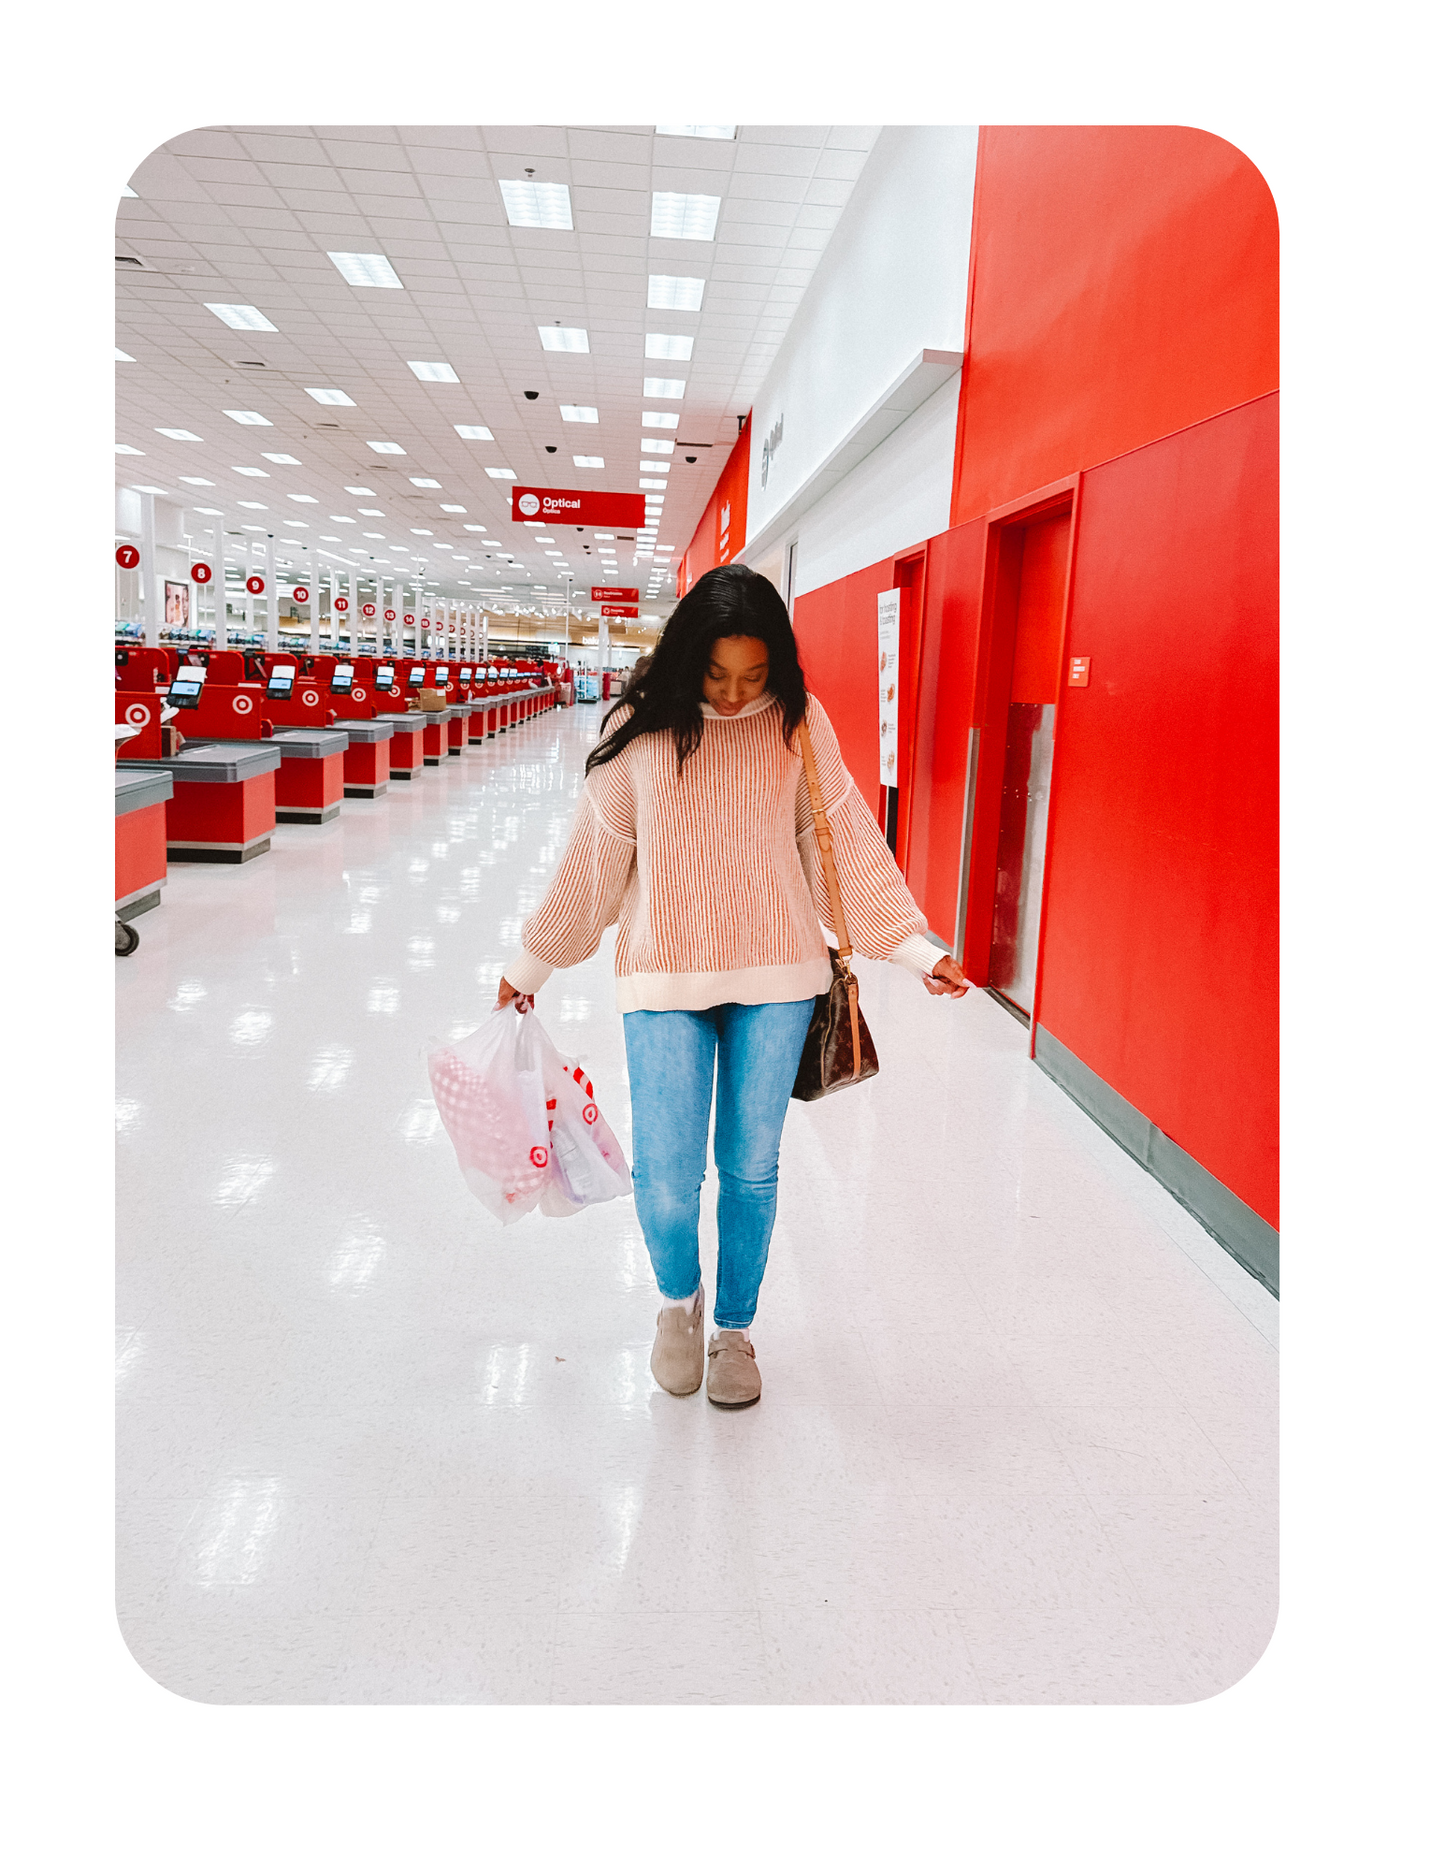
895,497
892,282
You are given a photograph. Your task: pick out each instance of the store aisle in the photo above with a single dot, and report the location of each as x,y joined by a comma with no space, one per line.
1018,1430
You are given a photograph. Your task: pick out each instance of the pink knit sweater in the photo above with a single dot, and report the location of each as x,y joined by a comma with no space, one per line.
712,875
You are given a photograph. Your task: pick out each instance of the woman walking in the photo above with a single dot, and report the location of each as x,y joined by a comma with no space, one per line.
695,836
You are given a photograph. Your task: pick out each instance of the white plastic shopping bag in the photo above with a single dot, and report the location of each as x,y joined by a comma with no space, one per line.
524,1121
492,1100
587,1161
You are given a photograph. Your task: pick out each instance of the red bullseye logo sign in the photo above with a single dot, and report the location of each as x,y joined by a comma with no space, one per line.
539,1156
300,594
368,610
310,698
390,616
358,695
242,704
201,572
127,558
137,715
255,584
341,604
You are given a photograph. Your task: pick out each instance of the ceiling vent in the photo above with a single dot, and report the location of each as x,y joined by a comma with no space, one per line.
133,260
248,363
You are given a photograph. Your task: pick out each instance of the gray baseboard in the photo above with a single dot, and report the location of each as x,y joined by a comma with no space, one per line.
1233,1223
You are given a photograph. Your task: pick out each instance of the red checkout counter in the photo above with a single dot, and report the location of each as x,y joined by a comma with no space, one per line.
326,701
222,808
141,793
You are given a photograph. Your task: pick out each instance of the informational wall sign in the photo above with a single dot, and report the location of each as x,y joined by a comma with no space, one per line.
255,584
619,610
127,558
615,594
300,593
567,504
201,572
888,606
1079,671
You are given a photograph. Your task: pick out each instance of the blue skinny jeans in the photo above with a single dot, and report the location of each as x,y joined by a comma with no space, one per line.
670,1060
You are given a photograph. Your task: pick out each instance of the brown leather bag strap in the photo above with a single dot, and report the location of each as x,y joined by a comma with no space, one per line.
824,836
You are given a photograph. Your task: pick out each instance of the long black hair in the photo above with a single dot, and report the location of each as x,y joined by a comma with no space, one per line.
728,601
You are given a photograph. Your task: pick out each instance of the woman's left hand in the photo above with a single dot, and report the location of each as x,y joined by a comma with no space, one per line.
947,978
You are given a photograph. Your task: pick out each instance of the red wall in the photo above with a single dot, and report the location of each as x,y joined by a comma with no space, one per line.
1160,955
714,543
837,632
1123,284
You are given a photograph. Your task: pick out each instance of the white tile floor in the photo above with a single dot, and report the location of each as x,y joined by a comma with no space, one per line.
1017,1440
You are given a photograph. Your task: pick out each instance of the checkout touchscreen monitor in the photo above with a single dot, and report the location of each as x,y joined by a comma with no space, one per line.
341,679
417,676
185,689
439,675
278,683
385,675
464,675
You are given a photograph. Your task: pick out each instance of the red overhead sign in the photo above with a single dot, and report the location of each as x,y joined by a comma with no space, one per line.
300,593
619,610
615,594
127,558
255,584
568,504
201,572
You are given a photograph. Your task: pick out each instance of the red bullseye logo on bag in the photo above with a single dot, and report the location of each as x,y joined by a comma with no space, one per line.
539,1156
589,1113
255,584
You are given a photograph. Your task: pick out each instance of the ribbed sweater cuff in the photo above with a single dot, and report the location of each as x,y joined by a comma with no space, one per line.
526,973
915,953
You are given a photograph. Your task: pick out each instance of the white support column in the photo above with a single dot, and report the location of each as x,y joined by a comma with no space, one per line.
273,598
218,581
315,601
246,570
152,609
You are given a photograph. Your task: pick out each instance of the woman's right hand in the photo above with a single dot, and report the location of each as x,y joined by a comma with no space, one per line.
507,994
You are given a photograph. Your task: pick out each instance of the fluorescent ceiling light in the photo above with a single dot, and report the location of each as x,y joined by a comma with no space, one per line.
432,373
256,474
473,529
659,419
684,217
123,357
563,338
130,193
578,412
472,432
422,532
282,461
447,509
651,483
179,435
257,506
213,511
651,445
588,461
365,269
501,474
421,480
241,317
663,386
250,418
386,448
337,399
538,204
371,513
196,480
655,467
137,489
368,493
124,448
669,344
293,523
726,131
373,535
604,535
341,519
307,500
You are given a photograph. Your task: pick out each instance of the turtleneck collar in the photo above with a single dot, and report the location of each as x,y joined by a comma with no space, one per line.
748,708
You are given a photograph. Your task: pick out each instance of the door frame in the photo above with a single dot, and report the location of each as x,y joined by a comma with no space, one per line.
998,618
